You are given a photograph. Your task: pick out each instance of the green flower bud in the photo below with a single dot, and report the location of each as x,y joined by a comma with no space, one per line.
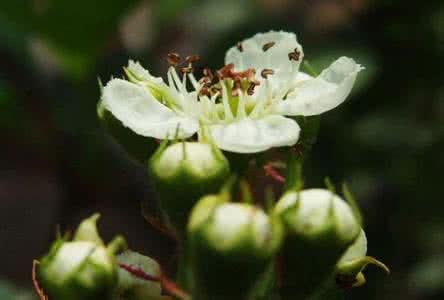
353,262
231,248
182,173
319,228
83,268
138,147
138,277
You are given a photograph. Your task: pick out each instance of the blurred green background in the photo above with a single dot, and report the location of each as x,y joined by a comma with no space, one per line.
57,165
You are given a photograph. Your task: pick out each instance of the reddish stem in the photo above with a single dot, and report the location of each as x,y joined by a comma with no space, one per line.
139,273
270,171
37,287
168,285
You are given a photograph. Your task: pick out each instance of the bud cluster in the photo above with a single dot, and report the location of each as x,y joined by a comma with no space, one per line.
233,244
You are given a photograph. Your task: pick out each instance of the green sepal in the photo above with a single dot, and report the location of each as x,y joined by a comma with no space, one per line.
87,231
349,274
351,200
116,245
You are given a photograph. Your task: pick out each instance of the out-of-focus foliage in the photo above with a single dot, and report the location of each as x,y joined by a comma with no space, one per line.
387,141
7,291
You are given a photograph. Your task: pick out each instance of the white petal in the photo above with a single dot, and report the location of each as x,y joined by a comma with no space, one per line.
275,58
142,74
323,93
137,109
249,135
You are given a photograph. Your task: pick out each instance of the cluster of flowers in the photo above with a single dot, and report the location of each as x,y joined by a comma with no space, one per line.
307,242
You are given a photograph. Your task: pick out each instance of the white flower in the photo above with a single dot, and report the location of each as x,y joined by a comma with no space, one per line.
245,110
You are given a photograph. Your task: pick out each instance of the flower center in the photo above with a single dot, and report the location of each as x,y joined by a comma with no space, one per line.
221,96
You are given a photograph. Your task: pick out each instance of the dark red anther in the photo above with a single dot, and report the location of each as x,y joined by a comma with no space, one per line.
250,90
173,59
267,46
226,71
295,55
205,92
247,74
266,72
192,59
240,47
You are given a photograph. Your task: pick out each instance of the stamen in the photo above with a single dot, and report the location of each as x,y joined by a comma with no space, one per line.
259,107
241,112
267,46
266,72
208,73
192,58
213,113
240,47
206,108
216,90
225,101
187,70
170,78
173,59
237,87
204,80
184,81
295,55
196,85
177,81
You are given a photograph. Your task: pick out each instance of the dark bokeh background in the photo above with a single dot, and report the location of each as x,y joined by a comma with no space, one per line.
57,165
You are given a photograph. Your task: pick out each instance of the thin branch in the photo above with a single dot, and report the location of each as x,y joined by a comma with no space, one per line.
37,287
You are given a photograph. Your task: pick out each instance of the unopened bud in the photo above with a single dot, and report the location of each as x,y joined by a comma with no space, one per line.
231,246
83,268
319,228
184,172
